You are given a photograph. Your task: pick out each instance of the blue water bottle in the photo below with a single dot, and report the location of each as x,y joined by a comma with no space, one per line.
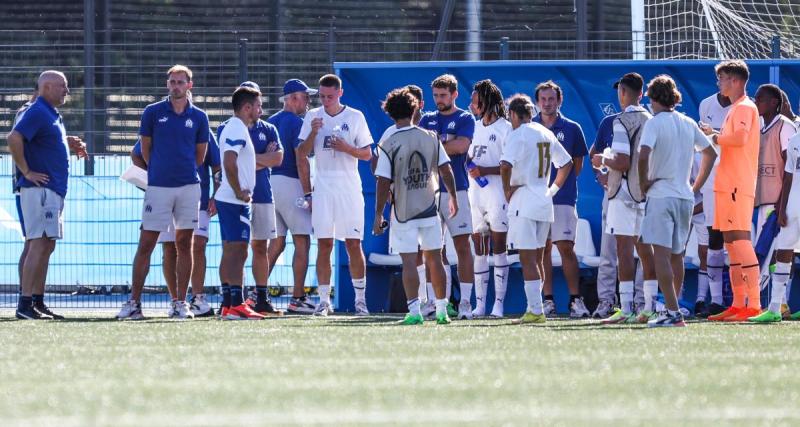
481,180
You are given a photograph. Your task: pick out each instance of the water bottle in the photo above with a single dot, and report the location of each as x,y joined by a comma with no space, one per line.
608,154
302,202
336,134
481,180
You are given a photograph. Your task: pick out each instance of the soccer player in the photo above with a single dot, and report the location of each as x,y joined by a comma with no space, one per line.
607,270
234,200
488,203
39,147
199,305
734,190
455,128
549,97
339,137
712,111
626,202
288,187
174,137
405,163
667,146
788,240
529,152
269,153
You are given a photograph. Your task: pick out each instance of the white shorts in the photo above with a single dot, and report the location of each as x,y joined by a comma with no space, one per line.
708,205
624,218
489,209
288,217
338,216
460,224
165,206
43,210
527,234
788,238
413,235
201,229
700,229
566,224
262,221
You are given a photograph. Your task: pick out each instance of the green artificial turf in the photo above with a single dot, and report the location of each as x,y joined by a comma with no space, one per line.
91,370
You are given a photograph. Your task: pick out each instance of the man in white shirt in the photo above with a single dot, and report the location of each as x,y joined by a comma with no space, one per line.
233,200
406,166
525,168
667,148
339,137
488,204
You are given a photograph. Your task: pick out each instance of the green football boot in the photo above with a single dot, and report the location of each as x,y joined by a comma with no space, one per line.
411,319
767,316
442,319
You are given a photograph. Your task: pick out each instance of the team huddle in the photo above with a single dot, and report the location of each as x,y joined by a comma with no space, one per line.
501,176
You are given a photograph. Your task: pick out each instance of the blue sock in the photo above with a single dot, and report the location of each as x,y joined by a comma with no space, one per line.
236,295
261,294
24,303
38,300
226,295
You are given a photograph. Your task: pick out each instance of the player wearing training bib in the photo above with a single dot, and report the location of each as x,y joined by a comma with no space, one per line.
488,203
339,138
530,151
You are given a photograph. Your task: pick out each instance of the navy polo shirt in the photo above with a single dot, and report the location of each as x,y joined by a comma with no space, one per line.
174,137
570,135
288,125
605,133
45,146
262,134
448,127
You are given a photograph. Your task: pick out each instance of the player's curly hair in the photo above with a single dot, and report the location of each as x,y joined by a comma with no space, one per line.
490,99
400,104
662,89
521,105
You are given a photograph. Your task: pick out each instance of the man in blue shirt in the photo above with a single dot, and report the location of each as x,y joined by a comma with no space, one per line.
455,128
549,98
607,270
174,136
40,149
288,180
269,153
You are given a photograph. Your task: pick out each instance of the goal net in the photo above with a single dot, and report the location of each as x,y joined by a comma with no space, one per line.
721,29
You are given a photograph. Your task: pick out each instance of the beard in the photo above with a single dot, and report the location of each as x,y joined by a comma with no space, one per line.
443,107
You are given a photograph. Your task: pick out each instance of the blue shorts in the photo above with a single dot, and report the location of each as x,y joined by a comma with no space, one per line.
234,222
19,214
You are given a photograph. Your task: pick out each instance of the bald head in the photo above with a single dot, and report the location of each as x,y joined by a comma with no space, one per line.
53,87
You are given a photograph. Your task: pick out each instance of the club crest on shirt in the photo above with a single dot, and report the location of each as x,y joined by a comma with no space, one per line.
262,136
451,125
560,136
189,123
344,127
493,138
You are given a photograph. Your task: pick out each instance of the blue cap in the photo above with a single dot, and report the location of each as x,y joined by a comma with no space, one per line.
251,85
296,85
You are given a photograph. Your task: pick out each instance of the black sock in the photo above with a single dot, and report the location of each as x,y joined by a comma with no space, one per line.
261,295
548,298
38,300
236,295
24,303
226,295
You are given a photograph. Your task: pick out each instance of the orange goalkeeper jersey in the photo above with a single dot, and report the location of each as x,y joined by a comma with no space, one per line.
739,141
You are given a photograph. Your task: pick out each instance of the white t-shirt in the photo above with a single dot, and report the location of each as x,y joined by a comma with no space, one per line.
793,167
530,149
486,147
384,169
714,114
621,144
236,137
787,131
336,172
673,138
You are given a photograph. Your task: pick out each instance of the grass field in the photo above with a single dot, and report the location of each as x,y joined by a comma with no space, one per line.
359,371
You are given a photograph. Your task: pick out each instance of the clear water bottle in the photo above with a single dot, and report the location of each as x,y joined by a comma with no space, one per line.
608,154
302,202
481,180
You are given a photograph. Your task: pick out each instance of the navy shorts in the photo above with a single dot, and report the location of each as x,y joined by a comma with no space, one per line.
234,222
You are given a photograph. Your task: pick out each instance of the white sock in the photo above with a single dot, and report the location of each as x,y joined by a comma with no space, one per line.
481,267
626,296
448,283
500,276
715,261
533,292
441,306
702,285
650,292
324,292
360,288
779,280
431,293
466,291
421,294
413,307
